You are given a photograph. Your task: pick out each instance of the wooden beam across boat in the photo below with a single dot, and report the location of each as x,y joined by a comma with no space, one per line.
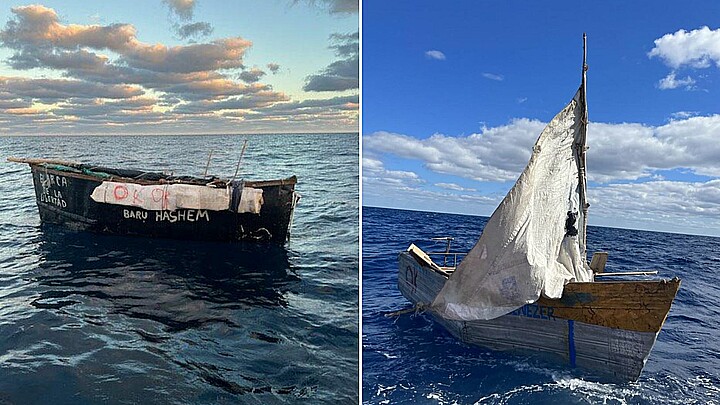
640,306
39,161
628,273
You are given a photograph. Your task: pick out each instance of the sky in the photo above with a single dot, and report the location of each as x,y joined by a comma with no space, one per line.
178,67
456,93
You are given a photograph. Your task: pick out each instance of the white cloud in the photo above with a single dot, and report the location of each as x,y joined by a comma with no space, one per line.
493,76
433,54
683,115
374,172
497,154
370,164
417,198
685,207
187,82
673,206
406,189
453,186
670,82
660,198
183,8
617,151
696,48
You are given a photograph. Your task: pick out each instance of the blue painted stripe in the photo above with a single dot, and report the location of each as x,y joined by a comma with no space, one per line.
571,342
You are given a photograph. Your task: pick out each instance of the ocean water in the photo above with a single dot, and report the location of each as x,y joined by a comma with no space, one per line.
411,359
91,319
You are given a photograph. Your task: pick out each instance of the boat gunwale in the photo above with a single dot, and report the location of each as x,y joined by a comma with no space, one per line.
292,180
446,271
585,301
443,272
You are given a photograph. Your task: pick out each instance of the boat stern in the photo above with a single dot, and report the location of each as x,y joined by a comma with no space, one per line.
273,221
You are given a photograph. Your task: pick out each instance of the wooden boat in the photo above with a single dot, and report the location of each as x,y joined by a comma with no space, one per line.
608,327
502,294
133,202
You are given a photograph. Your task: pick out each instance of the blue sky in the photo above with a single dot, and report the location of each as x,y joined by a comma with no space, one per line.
179,66
455,94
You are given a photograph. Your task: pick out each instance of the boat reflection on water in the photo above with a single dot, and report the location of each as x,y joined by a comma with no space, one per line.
177,283
152,315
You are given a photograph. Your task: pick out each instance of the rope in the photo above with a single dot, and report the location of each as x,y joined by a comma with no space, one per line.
417,308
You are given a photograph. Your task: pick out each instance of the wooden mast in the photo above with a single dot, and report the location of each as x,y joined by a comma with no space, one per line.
581,149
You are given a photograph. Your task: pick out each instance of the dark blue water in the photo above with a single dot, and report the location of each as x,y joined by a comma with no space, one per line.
86,318
411,359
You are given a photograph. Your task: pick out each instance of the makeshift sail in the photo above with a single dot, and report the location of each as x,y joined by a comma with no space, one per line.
534,242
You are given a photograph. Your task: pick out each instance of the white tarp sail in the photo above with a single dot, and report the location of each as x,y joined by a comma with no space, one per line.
176,196
531,243
251,200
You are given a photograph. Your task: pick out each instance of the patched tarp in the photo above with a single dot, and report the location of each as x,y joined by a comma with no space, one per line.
251,200
175,196
531,244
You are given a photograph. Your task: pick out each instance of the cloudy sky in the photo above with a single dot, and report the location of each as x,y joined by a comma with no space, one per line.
178,66
454,97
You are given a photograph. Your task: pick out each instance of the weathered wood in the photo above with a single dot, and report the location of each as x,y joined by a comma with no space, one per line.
63,197
628,273
41,161
422,256
292,180
579,328
599,259
630,305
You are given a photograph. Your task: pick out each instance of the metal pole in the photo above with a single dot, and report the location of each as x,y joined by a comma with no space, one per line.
242,152
207,166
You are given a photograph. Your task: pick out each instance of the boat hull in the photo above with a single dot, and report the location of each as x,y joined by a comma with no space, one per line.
598,326
64,198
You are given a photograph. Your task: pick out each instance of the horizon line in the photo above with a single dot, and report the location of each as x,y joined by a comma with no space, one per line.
484,216
188,134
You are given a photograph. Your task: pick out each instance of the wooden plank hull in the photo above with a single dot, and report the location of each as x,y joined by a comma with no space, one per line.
64,198
607,327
